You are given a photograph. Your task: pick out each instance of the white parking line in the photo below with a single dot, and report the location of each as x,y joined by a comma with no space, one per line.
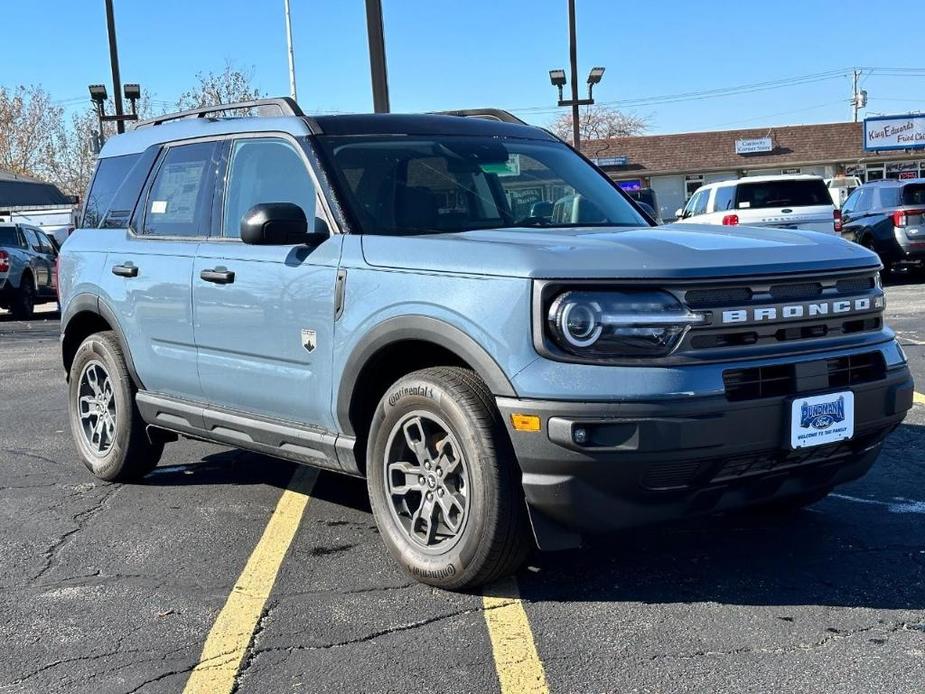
897,505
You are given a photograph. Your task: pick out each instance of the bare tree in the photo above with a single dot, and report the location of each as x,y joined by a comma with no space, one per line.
28,118
596,123
228,86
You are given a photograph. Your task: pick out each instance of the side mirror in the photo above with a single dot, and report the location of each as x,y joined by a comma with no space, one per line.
679,213
278,224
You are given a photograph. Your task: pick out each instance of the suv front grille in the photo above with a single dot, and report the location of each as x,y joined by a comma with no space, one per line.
782,380
781,313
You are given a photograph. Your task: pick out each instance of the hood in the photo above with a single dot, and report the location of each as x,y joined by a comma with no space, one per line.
671,251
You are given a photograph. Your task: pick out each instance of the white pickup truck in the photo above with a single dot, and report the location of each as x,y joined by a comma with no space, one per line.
783,202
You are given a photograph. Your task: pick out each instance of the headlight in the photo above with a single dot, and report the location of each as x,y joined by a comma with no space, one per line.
628,323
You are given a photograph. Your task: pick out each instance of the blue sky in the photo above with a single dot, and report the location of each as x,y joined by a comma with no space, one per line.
444,54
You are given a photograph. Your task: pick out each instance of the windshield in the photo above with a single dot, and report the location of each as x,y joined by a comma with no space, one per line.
433,184
792,193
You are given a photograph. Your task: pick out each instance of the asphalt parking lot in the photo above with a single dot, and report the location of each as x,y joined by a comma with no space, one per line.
116,588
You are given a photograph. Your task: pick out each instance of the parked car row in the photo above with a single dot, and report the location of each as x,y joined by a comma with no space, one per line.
887,217
27,269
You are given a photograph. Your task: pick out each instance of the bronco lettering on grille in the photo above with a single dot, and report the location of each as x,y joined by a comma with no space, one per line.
814,309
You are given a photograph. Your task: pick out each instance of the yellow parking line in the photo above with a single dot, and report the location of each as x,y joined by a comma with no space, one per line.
918,398
516,660
234,627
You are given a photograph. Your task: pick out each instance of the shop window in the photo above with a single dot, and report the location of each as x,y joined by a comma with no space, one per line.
691,183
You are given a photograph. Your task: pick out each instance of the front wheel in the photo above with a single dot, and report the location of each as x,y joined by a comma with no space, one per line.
443,481
105,424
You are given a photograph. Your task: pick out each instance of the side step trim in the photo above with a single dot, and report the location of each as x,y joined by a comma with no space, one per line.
286,440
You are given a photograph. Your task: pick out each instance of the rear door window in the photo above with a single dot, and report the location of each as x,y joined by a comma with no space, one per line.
785,193
725,198
865,200
914,194
181,192
110,174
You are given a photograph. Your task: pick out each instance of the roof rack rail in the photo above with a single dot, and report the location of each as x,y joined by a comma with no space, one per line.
489,113
286,106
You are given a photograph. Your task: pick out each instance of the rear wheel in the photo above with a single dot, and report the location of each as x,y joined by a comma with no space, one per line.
443,481
23,305
105,424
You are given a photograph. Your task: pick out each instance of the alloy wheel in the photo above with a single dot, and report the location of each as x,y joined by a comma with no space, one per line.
427,481
97,408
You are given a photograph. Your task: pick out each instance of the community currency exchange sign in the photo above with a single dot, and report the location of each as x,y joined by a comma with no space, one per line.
895,132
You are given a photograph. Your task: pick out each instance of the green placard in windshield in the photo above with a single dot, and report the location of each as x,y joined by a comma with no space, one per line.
511,167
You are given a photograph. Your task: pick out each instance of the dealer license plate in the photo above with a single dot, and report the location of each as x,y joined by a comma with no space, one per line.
821,419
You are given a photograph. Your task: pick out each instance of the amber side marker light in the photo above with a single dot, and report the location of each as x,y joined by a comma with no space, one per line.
526,422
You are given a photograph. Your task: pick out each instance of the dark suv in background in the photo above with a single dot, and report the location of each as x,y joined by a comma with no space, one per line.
888,217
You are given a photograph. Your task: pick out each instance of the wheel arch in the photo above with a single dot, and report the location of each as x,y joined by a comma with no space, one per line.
395,348
85,315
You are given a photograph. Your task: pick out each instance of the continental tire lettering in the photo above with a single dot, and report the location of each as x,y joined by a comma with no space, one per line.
423,391
445,572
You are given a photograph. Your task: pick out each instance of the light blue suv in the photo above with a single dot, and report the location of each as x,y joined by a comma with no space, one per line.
472,316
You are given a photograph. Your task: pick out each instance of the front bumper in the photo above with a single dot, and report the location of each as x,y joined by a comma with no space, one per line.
647,462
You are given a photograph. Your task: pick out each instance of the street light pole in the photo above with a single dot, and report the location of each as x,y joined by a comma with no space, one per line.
114,60
292,89
573,57
377,66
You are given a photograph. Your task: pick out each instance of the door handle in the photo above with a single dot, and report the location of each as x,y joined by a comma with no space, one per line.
217,275
125,270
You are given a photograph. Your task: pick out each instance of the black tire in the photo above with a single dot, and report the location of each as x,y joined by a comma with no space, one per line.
23,304
493,537
887,271
130,454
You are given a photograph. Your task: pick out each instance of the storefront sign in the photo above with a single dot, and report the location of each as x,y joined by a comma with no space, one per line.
635,184
894,132
754,145
611,161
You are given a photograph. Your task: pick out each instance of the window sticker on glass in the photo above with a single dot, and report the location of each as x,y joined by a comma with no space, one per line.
744,205
511,167
158,207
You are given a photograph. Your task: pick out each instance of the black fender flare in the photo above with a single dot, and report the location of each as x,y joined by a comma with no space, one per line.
421,328
91,303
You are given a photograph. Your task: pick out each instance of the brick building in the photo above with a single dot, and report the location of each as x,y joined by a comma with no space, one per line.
676,165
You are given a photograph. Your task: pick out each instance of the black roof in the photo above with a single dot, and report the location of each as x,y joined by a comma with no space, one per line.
28,193
418,124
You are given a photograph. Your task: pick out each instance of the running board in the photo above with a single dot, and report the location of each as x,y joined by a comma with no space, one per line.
277,438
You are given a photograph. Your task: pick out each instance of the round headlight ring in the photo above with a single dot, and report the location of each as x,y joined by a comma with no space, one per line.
584,316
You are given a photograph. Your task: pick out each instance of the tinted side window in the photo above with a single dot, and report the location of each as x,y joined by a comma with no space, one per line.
852,202
725,198
914,194
864,200
9,238
889,197
181,192
265,170
31,239
123,202
110,173
45,244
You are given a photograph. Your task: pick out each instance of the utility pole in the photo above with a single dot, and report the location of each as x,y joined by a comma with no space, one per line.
292,89
377,67
858,95
573,57
114,60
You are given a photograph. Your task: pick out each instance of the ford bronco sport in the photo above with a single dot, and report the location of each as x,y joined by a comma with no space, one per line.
471,316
